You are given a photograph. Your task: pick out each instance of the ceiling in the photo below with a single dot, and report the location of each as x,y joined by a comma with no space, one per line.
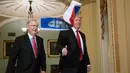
40,8
11,10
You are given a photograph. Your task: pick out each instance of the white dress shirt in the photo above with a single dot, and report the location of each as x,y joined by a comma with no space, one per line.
30,37
81,40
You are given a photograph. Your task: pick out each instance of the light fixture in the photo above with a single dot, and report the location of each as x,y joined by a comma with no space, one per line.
30,15
24,29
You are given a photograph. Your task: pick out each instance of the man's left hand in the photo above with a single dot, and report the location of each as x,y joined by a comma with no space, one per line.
43,72
88,68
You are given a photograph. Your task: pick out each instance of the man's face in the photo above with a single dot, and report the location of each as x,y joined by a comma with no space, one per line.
77,22
32,27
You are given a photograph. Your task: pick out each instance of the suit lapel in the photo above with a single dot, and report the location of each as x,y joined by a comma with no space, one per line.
73,37
28,42
38,44
82,37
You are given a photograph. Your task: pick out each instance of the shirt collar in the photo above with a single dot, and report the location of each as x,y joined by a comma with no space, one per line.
74,29
30,36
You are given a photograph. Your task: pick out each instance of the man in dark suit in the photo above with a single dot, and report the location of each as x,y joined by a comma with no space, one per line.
71,45
28,55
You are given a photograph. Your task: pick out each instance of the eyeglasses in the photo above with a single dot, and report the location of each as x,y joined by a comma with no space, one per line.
34,25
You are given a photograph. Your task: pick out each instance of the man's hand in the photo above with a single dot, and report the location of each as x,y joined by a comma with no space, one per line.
64,51
88,68
43,72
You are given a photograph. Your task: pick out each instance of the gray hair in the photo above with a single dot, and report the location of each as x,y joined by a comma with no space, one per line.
31,21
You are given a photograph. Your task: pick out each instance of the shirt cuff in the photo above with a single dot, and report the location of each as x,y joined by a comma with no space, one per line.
88,65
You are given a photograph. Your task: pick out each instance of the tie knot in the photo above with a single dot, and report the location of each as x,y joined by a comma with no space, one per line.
33,37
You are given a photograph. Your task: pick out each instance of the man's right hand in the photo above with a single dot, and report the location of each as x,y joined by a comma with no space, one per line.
64,51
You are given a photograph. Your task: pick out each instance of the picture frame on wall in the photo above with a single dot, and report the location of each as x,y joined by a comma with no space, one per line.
51,47
8,45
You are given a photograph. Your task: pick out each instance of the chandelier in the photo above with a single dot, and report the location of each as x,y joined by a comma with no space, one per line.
30,13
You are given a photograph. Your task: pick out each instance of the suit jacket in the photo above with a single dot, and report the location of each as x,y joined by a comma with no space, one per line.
72,59
22,59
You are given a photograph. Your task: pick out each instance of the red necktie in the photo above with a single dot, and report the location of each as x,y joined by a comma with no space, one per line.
79,44
34,46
